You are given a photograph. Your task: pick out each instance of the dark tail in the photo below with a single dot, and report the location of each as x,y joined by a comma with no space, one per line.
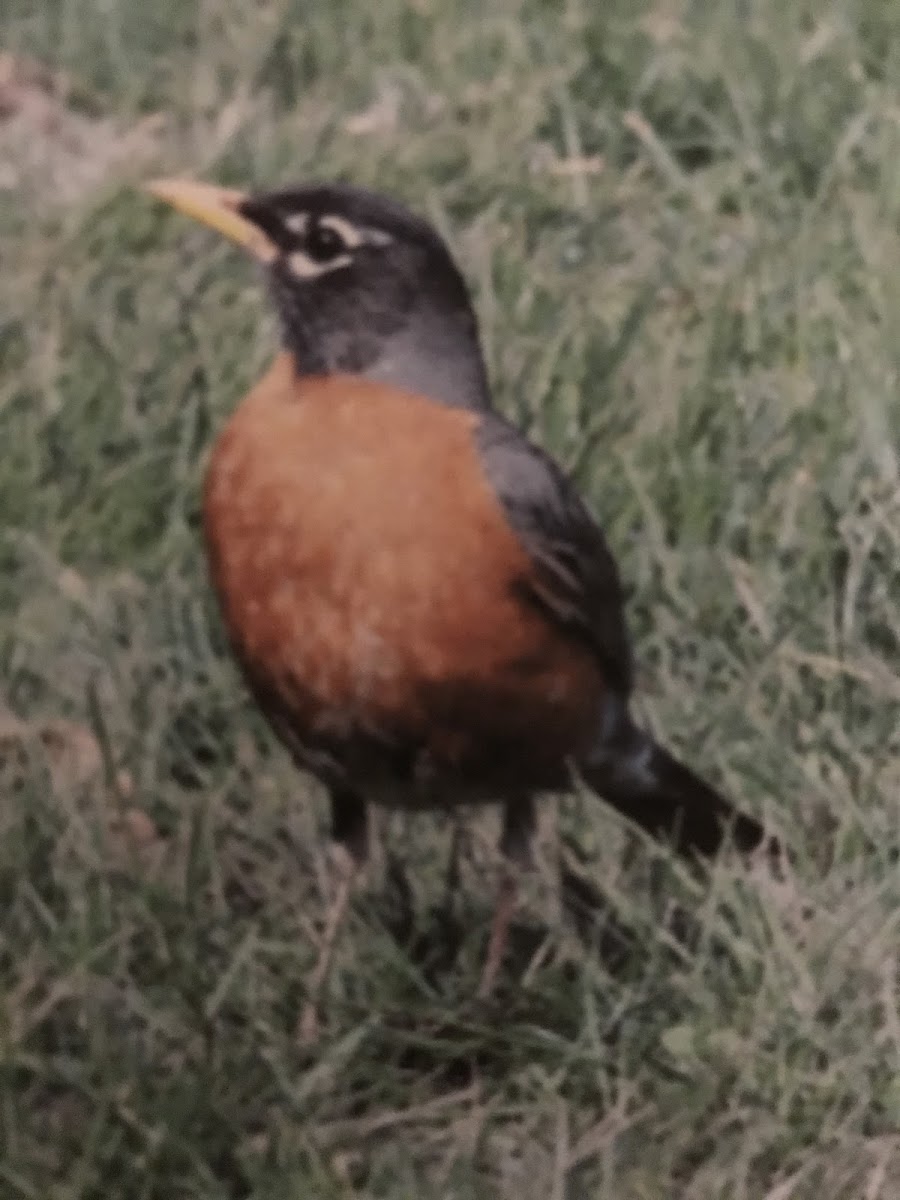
650,787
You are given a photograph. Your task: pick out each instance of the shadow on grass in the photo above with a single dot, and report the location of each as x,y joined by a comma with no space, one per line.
450,1035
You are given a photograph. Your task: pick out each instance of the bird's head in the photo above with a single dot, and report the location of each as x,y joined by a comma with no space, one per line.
362,285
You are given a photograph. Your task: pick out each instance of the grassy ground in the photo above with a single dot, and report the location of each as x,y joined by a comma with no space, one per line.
681,224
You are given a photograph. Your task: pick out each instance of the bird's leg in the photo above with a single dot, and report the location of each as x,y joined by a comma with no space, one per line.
350,833
505,906
452,874
515,844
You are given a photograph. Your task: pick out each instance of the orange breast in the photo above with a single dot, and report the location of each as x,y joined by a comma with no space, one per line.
366,573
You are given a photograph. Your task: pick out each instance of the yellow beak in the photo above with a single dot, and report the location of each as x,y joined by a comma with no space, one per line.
217,207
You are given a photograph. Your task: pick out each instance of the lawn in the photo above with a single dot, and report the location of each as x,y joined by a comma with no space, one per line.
681,223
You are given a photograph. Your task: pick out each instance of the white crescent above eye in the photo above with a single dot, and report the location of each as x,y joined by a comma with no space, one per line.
354,235
351,235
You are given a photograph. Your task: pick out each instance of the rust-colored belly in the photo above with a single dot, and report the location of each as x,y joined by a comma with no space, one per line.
366,574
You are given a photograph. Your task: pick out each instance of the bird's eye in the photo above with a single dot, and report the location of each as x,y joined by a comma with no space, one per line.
323,242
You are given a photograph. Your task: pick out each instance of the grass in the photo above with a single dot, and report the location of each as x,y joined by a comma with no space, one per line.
680,221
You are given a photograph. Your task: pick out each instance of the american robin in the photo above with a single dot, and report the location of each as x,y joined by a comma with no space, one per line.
422,605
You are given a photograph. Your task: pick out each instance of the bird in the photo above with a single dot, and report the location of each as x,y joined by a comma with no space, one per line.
422,604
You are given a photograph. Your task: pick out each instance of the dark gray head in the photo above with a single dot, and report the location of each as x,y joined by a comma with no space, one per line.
361,284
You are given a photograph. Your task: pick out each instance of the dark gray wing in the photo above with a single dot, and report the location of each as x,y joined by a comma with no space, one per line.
575,580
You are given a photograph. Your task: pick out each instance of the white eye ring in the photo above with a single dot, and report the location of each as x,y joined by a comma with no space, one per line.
302,266
350,234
